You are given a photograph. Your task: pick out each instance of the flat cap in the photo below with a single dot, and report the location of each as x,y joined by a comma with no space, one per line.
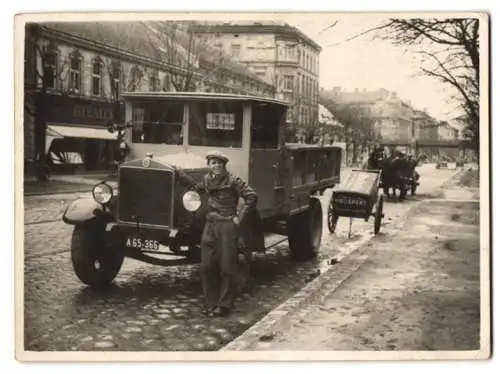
218,155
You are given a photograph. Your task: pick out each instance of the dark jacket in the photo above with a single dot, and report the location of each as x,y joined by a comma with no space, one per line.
223,194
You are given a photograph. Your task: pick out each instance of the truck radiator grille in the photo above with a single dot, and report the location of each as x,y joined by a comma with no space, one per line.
145,196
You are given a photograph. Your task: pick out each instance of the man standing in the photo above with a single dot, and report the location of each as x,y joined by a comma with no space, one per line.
219,242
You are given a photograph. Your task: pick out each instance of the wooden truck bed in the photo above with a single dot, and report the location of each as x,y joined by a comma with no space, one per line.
311,169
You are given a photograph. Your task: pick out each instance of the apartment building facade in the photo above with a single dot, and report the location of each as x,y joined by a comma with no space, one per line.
278,53
75,72
392,117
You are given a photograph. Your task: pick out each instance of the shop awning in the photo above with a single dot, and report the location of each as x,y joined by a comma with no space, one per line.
75,131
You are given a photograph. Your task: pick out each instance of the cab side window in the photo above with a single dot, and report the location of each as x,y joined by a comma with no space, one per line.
266,122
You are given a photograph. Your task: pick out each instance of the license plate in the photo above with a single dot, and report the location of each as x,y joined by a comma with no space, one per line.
144,244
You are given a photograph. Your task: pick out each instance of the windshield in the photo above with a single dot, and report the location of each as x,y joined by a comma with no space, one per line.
156,122
216,124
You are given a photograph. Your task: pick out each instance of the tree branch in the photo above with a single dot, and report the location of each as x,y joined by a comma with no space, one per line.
373,29
420,29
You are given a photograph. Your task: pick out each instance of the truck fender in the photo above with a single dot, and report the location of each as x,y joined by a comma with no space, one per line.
84,210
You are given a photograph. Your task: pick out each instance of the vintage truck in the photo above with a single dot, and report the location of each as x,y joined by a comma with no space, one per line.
153,217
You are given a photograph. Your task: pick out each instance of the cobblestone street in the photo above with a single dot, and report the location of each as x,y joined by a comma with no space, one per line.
159,308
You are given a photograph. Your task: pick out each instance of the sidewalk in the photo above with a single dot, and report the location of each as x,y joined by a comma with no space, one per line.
417,289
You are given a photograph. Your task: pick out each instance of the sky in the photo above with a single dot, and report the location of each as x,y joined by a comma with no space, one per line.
364,63
368,63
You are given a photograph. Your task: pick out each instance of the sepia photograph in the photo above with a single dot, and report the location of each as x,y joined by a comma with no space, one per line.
252,186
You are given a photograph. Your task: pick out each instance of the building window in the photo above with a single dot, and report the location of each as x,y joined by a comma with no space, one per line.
289,82
135,79
97,77
50,68
154,82
235,50
116,77
288,96
75,72
291,52
166,82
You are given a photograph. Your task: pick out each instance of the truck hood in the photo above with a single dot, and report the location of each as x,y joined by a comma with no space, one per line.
180,160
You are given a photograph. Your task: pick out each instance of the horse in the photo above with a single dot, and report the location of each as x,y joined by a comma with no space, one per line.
395,172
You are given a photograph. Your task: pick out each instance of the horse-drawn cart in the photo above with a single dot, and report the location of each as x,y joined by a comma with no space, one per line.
357,197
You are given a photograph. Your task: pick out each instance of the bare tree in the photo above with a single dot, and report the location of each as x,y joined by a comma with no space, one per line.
358,123
450,51
190,57
194,57
176,47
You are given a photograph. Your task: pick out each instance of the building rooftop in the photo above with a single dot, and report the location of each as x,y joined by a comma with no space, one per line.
269,27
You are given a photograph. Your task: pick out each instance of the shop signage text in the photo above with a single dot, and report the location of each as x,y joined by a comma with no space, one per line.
92,112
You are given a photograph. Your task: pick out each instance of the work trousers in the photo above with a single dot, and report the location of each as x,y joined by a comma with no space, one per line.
219,262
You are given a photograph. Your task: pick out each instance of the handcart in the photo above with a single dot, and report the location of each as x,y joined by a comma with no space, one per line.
357,197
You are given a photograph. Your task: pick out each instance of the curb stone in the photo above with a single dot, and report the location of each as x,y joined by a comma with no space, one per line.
279,318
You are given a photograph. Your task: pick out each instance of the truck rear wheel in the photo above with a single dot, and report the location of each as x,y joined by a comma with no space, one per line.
305,230
94,263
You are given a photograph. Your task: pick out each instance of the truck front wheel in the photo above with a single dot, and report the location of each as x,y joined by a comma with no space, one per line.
305,230
95,263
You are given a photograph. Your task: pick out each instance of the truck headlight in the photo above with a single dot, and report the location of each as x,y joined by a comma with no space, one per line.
102,193
191,201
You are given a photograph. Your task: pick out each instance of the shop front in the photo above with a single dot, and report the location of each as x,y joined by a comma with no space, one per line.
77,136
